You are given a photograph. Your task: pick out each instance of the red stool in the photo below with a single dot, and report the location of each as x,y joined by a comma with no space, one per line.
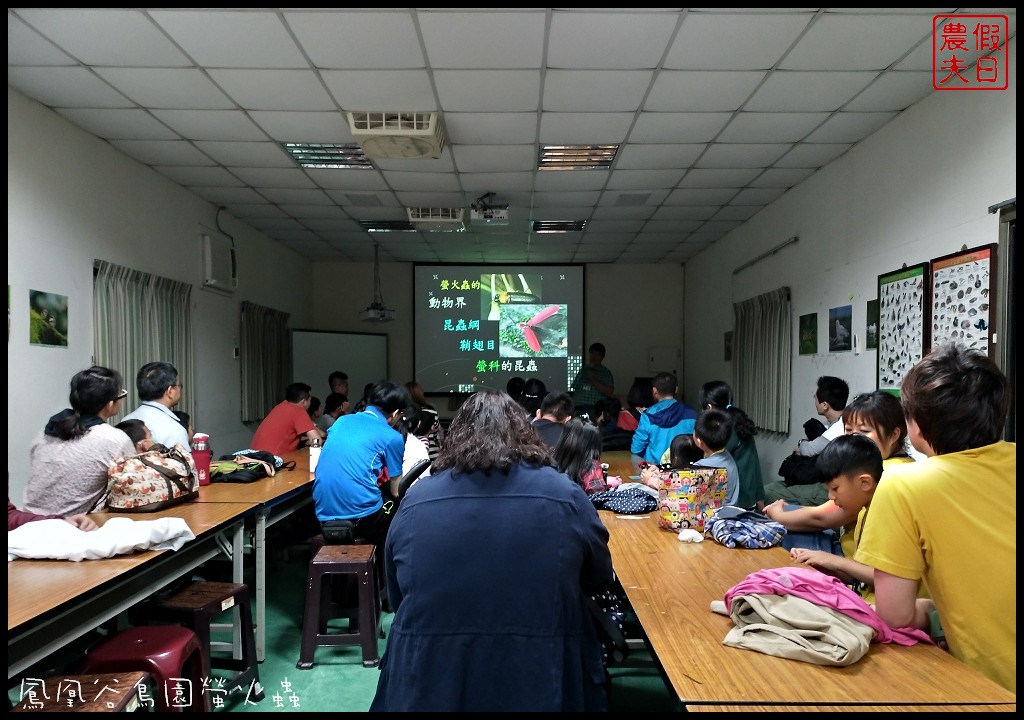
172,654
353,562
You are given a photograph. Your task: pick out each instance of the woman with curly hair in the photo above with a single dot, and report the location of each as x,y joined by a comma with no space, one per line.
488,565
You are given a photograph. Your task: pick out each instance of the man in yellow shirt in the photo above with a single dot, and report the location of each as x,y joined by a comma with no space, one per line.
950,520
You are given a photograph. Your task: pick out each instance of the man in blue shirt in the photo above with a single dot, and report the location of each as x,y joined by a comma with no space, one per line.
360,466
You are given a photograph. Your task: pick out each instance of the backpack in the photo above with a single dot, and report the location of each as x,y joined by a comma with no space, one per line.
150,481
243,468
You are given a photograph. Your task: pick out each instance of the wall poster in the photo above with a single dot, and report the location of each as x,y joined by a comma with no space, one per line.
963,291
808,334
904,302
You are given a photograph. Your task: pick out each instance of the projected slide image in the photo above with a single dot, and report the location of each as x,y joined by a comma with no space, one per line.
532,331
508,289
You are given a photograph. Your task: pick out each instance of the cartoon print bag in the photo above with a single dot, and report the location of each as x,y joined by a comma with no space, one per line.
153,480
688,496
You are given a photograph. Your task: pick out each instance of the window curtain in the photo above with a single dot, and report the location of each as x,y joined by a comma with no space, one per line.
265,355
762,356
140,318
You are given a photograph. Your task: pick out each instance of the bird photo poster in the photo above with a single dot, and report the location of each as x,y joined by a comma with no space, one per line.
840,322
48,319
903,323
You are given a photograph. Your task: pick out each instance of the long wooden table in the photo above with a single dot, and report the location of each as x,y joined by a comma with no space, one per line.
670,585
52,602
275,498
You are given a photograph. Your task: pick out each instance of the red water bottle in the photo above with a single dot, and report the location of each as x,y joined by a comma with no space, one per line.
201,455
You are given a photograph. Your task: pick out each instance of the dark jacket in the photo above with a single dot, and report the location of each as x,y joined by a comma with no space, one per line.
487,576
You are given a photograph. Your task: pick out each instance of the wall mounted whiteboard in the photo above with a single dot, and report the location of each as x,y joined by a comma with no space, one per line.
318,353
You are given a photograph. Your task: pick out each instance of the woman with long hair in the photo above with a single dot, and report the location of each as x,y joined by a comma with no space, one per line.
578,455
488,565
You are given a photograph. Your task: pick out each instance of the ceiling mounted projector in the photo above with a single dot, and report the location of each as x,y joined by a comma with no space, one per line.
375,311
484,212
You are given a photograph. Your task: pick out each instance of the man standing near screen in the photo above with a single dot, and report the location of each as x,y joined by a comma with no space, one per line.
593,382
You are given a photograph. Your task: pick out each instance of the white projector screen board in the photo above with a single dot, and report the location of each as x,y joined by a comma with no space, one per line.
318,353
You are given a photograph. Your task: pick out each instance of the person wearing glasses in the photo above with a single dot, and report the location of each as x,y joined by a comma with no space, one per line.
68,459
159,392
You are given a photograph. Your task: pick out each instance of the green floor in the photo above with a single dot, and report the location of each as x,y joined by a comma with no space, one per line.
338,682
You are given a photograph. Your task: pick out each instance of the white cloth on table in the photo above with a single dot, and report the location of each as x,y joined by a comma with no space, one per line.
60,540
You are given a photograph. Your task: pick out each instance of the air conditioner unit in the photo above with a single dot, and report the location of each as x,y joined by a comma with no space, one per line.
397,135
437,219
219,269
488,216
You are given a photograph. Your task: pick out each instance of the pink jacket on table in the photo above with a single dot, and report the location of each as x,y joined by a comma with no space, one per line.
824,590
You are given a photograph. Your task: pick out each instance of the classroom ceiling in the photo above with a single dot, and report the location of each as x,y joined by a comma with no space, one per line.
716,113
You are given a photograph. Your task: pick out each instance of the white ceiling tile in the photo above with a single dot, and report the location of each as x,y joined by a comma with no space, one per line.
701,91
697,178
670,227
495,158
584,128
764,127
641,212
782,177
666,127
247,154
812,155
685,212
737,212
112,37
491,128
856,42
700,196
755,42
443,164
274,89
893,91
118,124
304,127
497,40
292,196
347,179
799,91
200,176
849,127
488,90
243,211
502,183
173,88
66,87
228,195
756,196
232,38
555,199
421,182
644,179
560,212
274,177
211,124
381,90
630,198
594,90
26,47
742,155
163,152
353,40
614,226
569,180
602,40
637,156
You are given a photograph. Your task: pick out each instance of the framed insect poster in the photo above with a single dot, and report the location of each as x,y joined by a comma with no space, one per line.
904,302
963,295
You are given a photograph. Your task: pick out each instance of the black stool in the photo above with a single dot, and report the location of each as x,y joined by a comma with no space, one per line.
323,603
202,602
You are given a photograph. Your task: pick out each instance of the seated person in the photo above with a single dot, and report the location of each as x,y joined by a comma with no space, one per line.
138,432
554,412
16,518
682,452
186,422
853,465
159,389
287,423
639,398
335,406
532,396
661,422
360,466
578,455
711,434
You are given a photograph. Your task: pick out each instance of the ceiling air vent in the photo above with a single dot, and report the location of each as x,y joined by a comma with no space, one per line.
397,135
437,219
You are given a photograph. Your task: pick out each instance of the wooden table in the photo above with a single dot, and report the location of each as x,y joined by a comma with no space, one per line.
670,585
52,602
275,498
